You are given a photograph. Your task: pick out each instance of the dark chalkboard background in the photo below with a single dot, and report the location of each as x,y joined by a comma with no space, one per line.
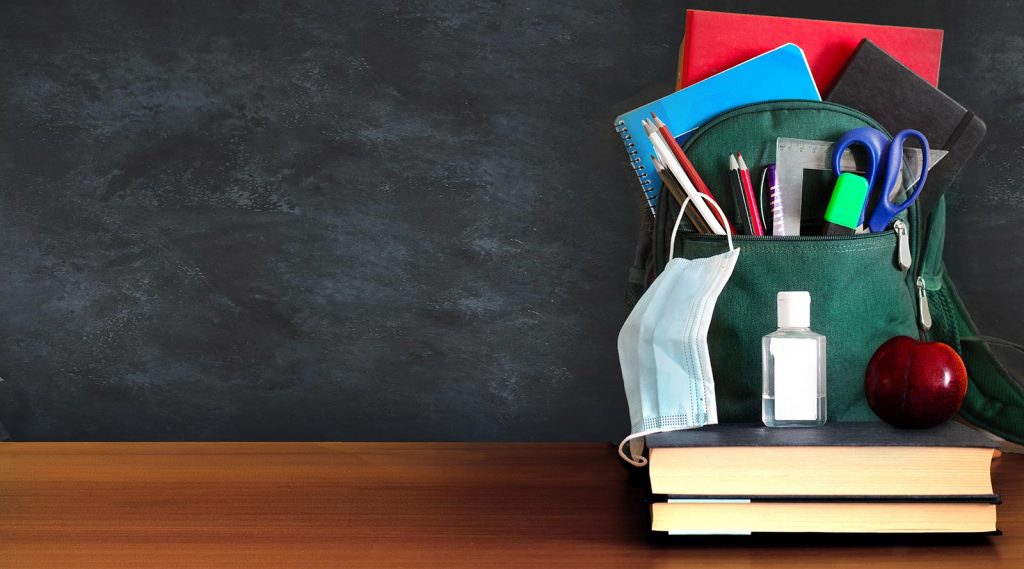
361,220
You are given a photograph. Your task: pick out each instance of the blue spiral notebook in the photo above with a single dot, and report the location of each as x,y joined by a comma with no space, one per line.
781,73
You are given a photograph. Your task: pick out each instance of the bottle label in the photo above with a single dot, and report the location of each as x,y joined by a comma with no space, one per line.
796,378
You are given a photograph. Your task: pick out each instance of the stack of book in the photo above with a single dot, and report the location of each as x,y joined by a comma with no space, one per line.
839,478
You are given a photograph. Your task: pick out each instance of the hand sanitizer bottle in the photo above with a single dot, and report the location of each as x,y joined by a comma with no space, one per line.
793,367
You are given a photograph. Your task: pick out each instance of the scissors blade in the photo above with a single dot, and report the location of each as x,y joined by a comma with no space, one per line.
912,156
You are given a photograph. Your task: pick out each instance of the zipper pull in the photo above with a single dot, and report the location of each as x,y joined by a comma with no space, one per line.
903,259
924,313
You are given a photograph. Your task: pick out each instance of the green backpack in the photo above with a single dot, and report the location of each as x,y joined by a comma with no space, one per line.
861,296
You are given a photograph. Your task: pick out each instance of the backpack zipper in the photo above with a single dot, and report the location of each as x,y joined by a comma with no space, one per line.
710,237
902,261
903,257
925,313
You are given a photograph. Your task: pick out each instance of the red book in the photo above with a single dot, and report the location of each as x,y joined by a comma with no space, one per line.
716,41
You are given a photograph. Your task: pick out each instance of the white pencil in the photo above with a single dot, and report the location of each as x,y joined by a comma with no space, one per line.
666,156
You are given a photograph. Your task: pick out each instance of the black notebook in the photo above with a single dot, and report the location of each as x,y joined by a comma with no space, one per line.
886,90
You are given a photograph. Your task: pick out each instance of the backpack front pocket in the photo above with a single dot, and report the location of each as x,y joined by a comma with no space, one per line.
859,299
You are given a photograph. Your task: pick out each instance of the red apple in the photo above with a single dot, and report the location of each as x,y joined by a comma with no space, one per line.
914,384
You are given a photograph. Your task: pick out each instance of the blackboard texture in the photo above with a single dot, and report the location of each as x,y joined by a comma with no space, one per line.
373,220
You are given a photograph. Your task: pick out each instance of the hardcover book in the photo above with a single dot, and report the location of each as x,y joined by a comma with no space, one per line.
857,459
715,41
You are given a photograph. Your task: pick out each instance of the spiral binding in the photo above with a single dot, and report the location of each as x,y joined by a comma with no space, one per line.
650,191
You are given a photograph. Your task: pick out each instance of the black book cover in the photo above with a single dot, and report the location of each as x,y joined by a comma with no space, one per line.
815,499
866,434
878,85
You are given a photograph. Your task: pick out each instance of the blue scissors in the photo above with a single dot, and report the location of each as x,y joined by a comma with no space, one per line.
885,158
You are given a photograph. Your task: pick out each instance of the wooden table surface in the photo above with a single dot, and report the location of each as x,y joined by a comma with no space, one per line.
394,505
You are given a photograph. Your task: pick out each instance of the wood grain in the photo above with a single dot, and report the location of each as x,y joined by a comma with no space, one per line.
393,505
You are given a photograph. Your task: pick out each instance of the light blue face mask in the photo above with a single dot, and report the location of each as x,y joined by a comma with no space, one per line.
663,347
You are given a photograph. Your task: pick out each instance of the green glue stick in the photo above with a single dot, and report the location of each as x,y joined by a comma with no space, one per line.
842,216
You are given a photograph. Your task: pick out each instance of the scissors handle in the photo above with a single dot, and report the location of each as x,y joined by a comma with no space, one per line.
885,211
872,139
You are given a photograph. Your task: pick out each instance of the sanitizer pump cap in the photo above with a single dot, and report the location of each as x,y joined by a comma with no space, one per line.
794,309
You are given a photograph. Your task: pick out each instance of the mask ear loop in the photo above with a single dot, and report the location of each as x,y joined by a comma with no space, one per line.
638,462
679,218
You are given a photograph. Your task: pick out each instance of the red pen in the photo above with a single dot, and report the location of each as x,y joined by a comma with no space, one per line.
748,191
691,172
